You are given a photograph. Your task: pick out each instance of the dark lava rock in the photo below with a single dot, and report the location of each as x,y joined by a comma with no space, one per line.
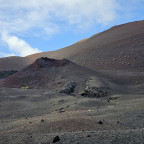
100,122
42,120
61,101
88,135
69,89
61,110
113,98
94,87
94,92
56,139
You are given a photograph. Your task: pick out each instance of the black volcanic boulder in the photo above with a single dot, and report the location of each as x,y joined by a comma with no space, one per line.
69,88
56,139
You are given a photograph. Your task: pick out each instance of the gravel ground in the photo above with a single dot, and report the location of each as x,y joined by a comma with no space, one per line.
38,116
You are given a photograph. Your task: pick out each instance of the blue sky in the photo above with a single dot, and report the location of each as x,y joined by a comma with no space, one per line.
33,26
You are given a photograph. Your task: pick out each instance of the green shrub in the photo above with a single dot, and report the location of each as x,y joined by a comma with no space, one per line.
26,87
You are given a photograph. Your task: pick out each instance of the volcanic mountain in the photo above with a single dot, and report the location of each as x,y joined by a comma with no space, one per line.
119,48
47,73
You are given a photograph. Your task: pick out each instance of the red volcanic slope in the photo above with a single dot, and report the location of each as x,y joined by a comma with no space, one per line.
47,73
45,62
119,48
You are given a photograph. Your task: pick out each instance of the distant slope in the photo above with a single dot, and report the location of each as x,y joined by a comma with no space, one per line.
13,63
119,48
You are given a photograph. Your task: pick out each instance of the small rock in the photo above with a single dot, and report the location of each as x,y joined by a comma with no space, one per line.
88,135
61,101
100,122
42,120
56,139
30,122
113,98
61,110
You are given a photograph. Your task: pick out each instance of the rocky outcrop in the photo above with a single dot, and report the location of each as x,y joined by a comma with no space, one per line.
94,88
69,88
94,92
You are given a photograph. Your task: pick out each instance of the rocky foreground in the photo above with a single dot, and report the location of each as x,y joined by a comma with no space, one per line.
30,116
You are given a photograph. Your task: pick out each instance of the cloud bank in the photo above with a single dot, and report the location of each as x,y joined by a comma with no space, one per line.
43,18
22,16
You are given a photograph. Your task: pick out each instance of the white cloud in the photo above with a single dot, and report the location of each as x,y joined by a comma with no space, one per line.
43,18
21,15
18,46
83,11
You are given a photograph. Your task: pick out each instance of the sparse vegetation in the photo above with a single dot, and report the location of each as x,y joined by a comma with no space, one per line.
25,87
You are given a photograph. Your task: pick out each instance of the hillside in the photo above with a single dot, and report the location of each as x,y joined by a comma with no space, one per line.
119,48
46,73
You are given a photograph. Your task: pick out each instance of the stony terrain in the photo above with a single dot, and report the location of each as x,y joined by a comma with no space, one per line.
89,93
58,101
37,116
